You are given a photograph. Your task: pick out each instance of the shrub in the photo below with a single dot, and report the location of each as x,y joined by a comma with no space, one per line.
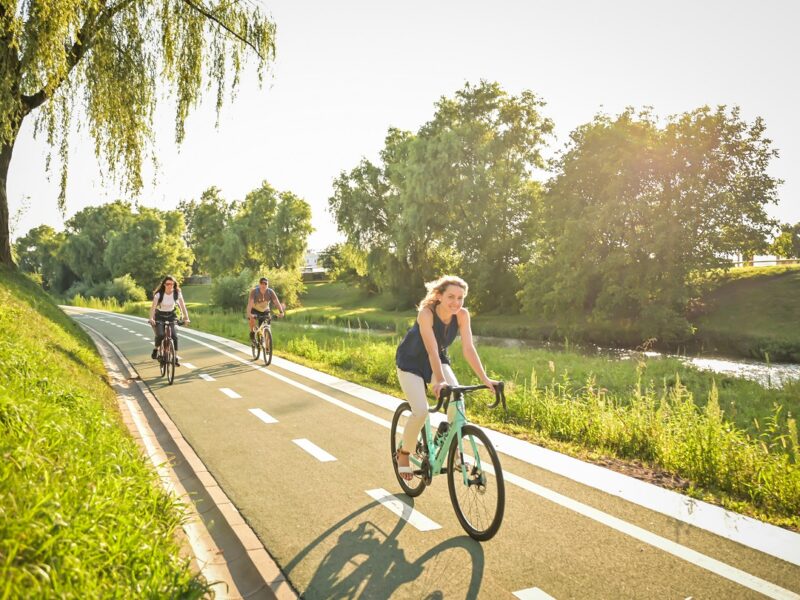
287,284
230,291
122,289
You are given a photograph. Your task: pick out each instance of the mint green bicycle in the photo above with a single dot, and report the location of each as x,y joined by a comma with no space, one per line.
474,475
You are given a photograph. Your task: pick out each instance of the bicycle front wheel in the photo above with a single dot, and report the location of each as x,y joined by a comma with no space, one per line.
162,360
255,346
170,359
419,455
479,501
267,347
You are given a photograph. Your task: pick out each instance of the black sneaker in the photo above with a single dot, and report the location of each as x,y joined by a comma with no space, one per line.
154,354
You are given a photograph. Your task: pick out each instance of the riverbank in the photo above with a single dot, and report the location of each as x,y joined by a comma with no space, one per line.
747,312
714,437
753,312
82,514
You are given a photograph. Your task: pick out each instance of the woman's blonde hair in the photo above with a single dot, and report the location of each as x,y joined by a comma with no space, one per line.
439,286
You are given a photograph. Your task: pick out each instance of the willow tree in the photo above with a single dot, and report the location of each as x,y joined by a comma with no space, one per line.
105,60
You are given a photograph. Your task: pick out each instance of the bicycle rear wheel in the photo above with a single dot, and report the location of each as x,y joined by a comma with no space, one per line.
420,454
170,360
255,346
480,502
267,347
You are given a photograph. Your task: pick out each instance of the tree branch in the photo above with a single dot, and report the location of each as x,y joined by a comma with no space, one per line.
212,17
80,47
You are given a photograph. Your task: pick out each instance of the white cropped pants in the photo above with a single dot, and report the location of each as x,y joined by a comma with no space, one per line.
413,387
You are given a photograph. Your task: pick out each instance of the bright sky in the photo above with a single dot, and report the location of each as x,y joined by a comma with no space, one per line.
347,71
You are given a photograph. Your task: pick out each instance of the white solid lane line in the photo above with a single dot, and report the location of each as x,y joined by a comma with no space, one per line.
267,418
533,593
314,450
206,377
403,510
229,393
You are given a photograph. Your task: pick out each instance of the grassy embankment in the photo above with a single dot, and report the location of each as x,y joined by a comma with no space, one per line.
754,312
724,436
81,513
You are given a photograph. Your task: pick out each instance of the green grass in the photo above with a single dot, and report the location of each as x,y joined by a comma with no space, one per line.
735,441
81,512
755,312
196,293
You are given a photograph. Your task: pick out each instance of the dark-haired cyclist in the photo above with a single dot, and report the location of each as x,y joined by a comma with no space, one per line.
166,298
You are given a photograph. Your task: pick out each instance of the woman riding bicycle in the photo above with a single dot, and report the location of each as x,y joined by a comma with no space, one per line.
166,297
258,302
422,358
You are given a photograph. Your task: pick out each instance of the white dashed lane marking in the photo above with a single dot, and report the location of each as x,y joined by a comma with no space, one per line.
533,593
229,393
403,510
314,450
206,377
189,366
263,416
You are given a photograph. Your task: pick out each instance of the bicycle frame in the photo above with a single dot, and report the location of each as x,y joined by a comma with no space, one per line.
265,324
439,450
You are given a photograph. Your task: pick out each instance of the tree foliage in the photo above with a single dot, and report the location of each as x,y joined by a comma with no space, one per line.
267,230
105,243
787,242
635,209
88,233
107,60
442,194
40,251
149,247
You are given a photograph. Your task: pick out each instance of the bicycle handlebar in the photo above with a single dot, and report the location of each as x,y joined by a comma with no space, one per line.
461,390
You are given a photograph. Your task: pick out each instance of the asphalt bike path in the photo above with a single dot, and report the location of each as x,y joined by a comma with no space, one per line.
308,467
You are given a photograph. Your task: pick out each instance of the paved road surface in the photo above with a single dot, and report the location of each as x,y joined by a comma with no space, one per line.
304,463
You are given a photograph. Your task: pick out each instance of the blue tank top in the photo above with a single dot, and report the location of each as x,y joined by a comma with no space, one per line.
411,355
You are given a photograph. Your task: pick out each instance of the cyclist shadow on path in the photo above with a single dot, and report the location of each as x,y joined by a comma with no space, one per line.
183,375
367,562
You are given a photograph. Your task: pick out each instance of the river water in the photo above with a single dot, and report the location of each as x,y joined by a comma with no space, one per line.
767,374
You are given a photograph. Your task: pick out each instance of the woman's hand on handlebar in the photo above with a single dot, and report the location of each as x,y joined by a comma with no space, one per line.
491,384
437,388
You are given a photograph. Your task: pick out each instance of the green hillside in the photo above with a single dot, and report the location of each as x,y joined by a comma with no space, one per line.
81,514
754,312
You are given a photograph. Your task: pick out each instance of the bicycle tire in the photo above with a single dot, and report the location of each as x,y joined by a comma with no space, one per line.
417,485
162,364
170,361
255,346
267,343
486,521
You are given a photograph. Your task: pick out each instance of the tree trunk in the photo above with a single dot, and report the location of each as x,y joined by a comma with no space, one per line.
5,234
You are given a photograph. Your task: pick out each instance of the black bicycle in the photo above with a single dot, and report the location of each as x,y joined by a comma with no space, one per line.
167,356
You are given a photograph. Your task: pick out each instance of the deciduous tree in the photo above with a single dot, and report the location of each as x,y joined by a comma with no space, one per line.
106,59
